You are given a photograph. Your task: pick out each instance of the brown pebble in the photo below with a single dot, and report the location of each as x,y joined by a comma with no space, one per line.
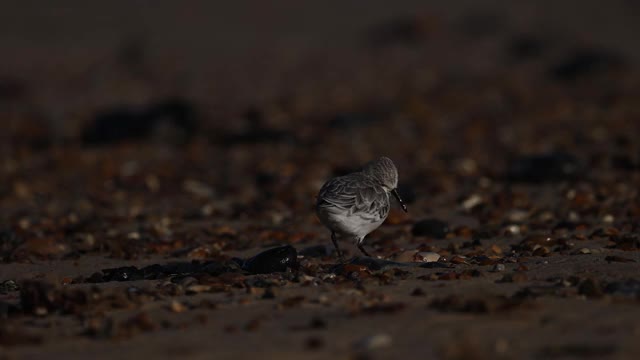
484,260
293,301
522,267
517,277
177,307
458,260
541,251
418,292
496,249
590,288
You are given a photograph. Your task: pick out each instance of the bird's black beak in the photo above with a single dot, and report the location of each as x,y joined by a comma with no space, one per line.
395,193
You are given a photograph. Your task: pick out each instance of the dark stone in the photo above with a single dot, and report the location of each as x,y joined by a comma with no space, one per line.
551,167
435,265
8,286
179,268
152,272
629,288
273,260
590,288
586,62
433,228
216,268
157,271
129,123
96,277
125,273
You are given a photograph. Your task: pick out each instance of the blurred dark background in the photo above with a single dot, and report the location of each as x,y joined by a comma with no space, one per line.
62,63
149,95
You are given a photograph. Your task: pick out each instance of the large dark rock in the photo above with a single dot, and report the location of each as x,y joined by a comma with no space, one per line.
157,271
273,260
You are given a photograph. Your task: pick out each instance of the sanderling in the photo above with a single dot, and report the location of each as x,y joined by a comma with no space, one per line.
354,205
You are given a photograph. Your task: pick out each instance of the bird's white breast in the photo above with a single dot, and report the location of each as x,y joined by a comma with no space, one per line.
356,224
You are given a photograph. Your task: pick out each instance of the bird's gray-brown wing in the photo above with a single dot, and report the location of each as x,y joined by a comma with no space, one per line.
355,194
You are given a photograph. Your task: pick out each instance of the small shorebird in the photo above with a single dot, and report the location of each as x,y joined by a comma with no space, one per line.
354,205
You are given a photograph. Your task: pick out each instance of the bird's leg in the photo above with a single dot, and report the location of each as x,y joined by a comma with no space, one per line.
361,247
335,243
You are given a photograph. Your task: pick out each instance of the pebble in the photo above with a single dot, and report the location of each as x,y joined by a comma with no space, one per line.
188,281
196,289
458,259
177,307
8,286
512,230
328,277
373,342
427,256
406,256
197,188
471,202
498,268
517,215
